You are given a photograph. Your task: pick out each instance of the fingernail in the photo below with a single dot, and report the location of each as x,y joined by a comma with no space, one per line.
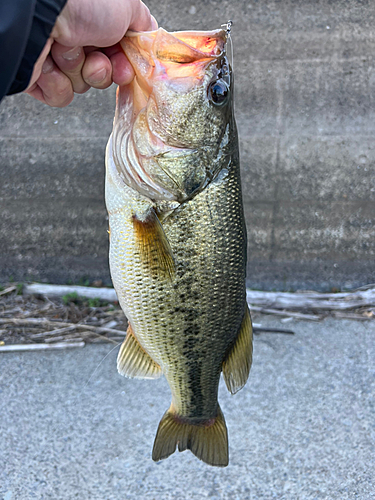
47,66
72,54
154,24
98,77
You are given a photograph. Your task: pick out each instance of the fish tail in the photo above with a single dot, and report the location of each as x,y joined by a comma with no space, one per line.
208,440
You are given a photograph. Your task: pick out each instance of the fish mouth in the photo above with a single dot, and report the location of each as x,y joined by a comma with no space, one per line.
181,55
178,46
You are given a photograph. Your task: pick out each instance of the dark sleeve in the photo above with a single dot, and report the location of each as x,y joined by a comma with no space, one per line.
25,26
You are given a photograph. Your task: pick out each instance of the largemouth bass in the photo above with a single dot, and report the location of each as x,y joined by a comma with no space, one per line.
177,233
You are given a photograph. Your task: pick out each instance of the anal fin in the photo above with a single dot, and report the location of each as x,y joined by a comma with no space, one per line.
236,367
133,361
207,440
153,245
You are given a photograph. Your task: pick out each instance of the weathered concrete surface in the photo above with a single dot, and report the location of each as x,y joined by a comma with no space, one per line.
302,428
305,83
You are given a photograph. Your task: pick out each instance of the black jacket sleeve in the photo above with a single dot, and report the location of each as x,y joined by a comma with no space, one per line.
25,26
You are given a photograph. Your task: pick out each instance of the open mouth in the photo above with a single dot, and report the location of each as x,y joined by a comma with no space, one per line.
180,46
162,55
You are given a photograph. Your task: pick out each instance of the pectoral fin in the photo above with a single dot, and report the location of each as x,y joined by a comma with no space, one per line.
153,245
236,367
133,361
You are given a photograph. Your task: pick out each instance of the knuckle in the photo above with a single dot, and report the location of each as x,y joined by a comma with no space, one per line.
60,100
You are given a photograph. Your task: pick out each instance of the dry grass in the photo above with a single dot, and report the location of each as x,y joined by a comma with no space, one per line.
39,319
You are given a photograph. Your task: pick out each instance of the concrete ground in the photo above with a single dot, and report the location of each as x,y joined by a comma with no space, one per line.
302,428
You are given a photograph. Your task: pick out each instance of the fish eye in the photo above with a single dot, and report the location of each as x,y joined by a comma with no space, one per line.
218,92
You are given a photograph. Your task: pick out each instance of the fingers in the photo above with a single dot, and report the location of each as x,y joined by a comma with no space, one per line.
70,61
97,70
36,92
72,71
141,18
154,24
85,68
122,70
52,87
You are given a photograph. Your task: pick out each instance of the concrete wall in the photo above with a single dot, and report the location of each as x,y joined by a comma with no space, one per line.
305,83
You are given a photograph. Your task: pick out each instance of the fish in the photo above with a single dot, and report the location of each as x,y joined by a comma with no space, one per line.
177,233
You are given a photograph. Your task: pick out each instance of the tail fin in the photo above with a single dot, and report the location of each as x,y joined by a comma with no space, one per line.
208,441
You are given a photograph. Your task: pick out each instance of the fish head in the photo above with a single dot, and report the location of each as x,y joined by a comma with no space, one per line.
176,115
185,79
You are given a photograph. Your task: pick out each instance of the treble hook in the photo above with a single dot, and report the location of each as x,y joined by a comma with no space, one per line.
228,27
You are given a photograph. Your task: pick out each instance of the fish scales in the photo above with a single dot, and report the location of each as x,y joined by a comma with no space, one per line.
178,267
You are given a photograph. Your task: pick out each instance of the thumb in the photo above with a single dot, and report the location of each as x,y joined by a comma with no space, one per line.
142,20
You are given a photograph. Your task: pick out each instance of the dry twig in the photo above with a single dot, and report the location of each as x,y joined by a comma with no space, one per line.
40,347
308,317
8,290
46,322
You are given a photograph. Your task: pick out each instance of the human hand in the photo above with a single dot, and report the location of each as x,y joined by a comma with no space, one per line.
83,50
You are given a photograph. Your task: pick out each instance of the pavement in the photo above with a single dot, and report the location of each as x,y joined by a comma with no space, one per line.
302,428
